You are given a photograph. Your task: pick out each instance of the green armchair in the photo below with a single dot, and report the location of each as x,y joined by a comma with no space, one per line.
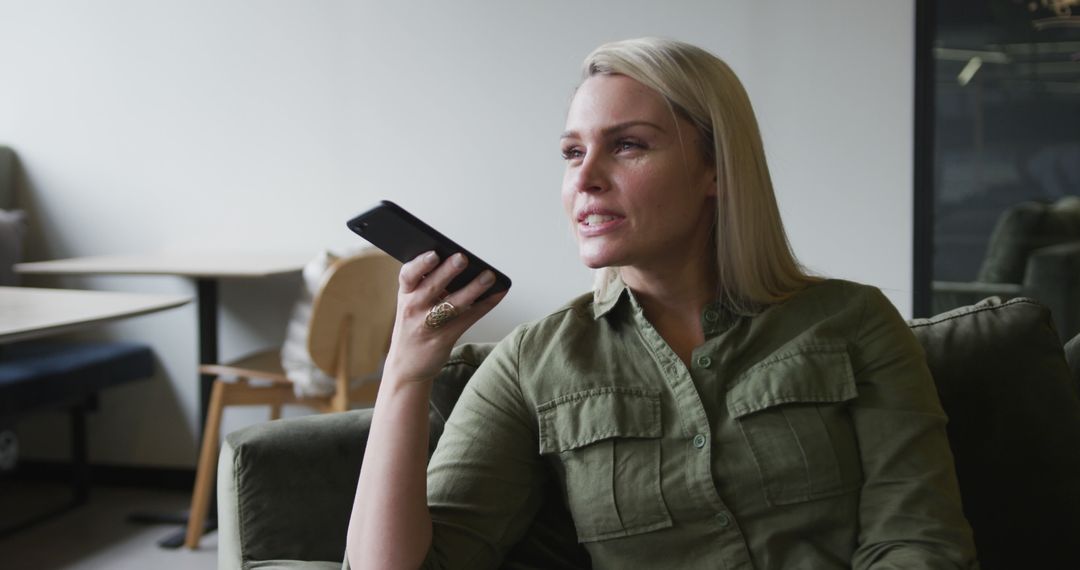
285,488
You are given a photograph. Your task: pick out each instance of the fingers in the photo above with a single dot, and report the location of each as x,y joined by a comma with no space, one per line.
468,294
468,315
423,281
481,308
433,287
422,340
427,277
413,272
471,310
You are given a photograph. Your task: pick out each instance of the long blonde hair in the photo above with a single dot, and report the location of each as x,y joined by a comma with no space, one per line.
755,264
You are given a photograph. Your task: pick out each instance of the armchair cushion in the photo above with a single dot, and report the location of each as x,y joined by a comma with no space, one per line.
1014,427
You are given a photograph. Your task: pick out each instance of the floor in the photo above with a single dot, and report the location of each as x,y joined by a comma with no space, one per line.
96,535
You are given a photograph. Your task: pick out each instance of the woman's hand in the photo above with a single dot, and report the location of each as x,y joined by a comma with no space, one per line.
390,525
417,350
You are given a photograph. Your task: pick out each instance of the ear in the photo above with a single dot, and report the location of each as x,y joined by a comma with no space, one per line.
713,188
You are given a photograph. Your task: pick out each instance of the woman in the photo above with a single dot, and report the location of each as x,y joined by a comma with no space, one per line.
709,405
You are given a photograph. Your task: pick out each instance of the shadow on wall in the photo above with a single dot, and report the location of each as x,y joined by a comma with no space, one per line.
17,191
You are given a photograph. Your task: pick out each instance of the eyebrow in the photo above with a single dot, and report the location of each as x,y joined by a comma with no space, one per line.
608,131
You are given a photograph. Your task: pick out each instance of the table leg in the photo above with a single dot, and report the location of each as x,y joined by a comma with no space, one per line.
208,354
207,298
208,341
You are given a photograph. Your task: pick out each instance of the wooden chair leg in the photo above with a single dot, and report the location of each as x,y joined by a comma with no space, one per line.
340,400
275,411
207,469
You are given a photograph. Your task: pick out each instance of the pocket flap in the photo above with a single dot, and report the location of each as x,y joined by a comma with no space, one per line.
807,374
578,419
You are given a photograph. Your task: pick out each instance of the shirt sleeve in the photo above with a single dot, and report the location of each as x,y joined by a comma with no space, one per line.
910,511
486,477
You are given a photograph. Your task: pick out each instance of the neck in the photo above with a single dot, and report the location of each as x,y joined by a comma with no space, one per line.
678,292
676,286
672,301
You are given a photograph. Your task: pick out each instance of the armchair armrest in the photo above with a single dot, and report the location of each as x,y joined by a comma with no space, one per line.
948,295
286,488
978,288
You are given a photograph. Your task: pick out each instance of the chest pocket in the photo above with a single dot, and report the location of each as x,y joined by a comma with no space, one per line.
608,442
792,413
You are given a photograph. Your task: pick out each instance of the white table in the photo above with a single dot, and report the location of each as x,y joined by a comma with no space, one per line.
206,269
197,265
27,313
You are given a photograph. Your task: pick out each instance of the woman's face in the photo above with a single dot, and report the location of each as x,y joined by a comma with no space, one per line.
636,188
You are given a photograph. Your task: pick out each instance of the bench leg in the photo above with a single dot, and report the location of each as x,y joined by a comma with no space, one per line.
80,472
80,469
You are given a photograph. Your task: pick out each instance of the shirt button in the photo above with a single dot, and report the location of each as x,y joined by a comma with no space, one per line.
723,520
712,316
704,362
699,441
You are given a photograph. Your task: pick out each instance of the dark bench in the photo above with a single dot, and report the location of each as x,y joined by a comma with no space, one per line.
40,375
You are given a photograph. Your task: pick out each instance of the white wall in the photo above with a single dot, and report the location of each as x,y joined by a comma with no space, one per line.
261,125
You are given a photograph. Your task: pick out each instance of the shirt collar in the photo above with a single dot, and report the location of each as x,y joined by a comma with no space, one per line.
612,295
715,317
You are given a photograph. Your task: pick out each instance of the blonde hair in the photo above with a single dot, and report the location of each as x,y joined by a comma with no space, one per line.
755,264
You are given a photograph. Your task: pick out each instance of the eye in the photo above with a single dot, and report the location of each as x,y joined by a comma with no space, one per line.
572,153
623,145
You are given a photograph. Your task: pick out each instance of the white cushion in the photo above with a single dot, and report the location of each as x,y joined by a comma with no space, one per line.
308,380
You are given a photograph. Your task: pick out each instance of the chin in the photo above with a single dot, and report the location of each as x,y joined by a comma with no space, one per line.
598,259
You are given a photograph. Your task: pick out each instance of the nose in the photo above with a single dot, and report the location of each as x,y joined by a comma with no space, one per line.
590,175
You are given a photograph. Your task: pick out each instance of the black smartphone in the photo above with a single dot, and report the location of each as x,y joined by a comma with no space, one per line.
404,236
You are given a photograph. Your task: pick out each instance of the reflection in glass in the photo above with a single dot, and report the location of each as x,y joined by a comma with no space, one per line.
1007,154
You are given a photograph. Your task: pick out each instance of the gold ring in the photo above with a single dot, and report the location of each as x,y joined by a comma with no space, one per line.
440,314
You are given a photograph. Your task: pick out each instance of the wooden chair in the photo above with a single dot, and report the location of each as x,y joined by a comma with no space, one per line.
348,336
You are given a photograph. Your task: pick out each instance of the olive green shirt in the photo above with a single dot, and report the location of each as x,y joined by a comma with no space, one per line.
807,436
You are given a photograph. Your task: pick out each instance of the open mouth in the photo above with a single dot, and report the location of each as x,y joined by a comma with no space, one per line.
597,219
597,223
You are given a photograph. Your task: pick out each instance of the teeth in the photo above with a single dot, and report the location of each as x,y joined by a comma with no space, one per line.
596,219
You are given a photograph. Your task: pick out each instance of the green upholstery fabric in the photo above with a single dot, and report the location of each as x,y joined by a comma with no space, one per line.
295,479
1014,426
13,223
291,565
1072,356
8,170
999,368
